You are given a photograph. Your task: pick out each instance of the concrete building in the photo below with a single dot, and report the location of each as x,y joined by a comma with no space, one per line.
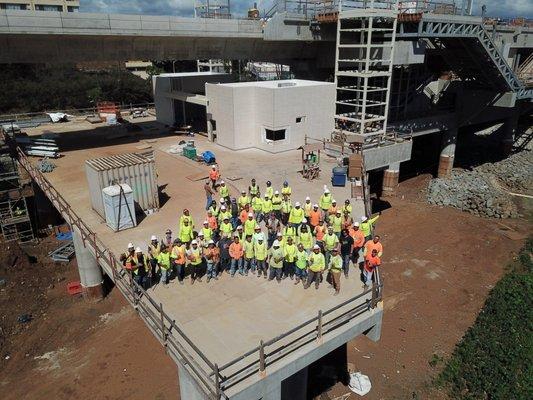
273,116
41,5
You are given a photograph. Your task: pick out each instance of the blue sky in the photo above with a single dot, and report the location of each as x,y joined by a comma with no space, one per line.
503,8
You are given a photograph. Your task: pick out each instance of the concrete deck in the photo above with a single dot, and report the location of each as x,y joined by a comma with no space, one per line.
228,317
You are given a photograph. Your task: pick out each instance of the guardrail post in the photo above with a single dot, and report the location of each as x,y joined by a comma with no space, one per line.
319,327
262,365
163,330
374,300
217,381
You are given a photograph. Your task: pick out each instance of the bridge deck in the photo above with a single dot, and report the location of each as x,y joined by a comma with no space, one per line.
224,318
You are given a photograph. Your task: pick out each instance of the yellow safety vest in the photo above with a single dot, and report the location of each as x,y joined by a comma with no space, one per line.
163,259
197,255
308,207
290,252
286,191
185,234
301,259
248,249
243,200
249,227
276,203
269,192
260,251
336,223
226,229
267,206
208,234
254,189
257,204
325,202
306,239
330,241
335,263
296,216
347,208
317,262
276,254
223,191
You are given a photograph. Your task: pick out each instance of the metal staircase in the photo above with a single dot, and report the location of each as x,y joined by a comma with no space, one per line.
432,27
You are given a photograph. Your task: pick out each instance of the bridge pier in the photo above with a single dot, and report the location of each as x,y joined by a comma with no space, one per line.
390,180
509,130
90,272
447,153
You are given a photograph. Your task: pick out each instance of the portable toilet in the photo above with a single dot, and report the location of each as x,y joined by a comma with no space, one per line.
338,177
119,207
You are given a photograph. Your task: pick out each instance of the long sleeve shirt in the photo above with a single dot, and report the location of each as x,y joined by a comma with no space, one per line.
236,251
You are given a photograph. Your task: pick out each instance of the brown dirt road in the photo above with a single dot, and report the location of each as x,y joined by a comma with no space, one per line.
439,265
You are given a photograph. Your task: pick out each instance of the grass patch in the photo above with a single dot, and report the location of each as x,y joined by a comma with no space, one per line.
494,360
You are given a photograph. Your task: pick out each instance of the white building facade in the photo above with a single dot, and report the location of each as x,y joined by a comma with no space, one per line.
274,116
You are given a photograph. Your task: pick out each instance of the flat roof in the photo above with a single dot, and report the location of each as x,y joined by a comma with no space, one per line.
278,84
184,74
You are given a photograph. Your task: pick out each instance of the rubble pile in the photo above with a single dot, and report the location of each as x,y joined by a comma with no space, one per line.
484,191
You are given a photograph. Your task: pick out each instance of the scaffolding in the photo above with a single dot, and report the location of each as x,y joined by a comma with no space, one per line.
15,222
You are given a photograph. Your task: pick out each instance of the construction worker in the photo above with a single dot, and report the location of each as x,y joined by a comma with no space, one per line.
168,238
200,239
300,269
257,206
194,256
266,207
286,190
308,207
260,255
332,210
275,261
235,212
296,215
276,204
212,258
320,230
243,200
207,231
209,192
211,221
347,220
225,258
289,252
286,208
335,268
269,191
325,202
347,207
372,261
273,226
128,258
240,233
305,238
186,217
236,253
367,224
154,248
186,232
331,241
224,213
213,209
314,217
346,244
336,223
253,189
223,191
163,260
141,270
317,264
373,244
226,228
214,176
358,241
289,231
178,255
248,250
257,233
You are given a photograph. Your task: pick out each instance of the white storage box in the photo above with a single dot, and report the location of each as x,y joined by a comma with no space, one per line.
119,207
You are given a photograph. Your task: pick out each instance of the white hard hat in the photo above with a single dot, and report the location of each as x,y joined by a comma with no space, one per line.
316,246
260,237
307,198
214,167
223,207
130,246
257,227
315,205
279,234
276,243
222,200
211,242
356,223
205,222
304,220
326,190
222,182
297,204
276,192
200,234
363,218
154,237
243,191
194,242
239,227
333,200
138,250
250,214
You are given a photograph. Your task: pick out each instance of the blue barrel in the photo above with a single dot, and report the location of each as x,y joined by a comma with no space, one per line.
339,176
209,157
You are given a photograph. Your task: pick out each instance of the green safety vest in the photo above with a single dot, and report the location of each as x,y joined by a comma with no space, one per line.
249,227
306,239
224,214
208,234
269,191
317,262
301,259
223,191
248,249
226,229
214,211
276,254
336,223
276,203
267,206
296,216
330,241
325,202
290,252
197,256
163,259
243,200
254,189
185,234
335,263
260,251
257,204
286,206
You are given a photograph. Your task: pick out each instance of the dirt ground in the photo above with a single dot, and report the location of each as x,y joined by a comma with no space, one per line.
438,267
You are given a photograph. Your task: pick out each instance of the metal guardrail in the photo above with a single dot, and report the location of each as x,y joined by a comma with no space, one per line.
177,344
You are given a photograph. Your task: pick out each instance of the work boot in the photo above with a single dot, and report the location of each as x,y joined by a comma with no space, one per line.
216,277
199,279
306,286
297,281
316,287
346,275
208,279
232,274
336,293
181,282
365,287
259,274
192,281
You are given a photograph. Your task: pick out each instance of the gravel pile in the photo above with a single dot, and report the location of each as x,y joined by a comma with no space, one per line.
484,191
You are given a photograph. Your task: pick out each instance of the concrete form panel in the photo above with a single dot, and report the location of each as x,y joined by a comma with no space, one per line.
380,157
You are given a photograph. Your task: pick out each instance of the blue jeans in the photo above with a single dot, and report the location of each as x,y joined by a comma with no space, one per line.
180,271
234,222
164,275
368,277
300,273
211,269
288,268
209,200
249,264
261,266
275,273
346,263
271,238
234,265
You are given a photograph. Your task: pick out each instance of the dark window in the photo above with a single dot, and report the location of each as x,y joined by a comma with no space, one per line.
214,124
300,119
275,135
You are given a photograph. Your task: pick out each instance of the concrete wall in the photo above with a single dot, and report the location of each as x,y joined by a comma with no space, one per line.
243,112
164,108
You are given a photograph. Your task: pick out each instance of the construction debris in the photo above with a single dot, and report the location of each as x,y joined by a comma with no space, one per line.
63,253
45,165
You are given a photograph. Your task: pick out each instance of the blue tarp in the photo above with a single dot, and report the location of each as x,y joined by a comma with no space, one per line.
208,157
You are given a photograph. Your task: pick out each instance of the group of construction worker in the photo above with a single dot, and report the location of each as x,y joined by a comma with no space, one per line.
262,233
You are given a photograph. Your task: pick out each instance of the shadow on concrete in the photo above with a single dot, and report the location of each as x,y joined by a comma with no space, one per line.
326,372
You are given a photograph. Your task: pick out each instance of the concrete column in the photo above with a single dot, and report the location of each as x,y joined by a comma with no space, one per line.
447,154
188,387
390,180
374,333
274,393
509,130
89,270
295,387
